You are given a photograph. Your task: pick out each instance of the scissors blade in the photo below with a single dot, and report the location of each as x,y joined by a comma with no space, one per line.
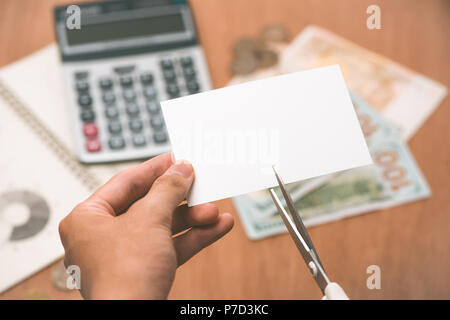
296,217
316,269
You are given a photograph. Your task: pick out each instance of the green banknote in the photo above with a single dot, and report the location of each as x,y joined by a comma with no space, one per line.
393,179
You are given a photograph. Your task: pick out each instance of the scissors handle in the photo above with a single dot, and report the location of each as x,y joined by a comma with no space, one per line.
333,291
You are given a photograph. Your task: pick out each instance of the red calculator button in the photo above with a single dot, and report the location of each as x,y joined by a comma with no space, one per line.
90,130
93,145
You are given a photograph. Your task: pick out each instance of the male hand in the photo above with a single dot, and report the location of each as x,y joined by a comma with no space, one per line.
122,237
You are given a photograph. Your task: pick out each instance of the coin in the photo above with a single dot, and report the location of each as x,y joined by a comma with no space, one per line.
244,64
267,58
274,33
59,277
246,45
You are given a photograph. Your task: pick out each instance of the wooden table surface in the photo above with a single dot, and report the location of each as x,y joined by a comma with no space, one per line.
410,243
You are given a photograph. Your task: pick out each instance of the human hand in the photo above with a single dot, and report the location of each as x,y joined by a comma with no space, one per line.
121,237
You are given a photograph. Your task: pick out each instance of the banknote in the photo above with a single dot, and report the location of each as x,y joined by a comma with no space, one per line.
402,96
393,179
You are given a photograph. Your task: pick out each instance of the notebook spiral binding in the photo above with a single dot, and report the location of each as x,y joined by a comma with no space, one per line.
51,140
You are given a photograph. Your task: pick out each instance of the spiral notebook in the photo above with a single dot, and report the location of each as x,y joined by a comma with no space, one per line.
42,180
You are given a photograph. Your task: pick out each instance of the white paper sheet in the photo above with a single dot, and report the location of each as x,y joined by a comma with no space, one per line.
303,123
36,192
36,81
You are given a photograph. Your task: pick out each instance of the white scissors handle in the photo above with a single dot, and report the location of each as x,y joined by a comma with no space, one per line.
333,291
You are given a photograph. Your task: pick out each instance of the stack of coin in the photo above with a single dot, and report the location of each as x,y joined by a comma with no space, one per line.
251,53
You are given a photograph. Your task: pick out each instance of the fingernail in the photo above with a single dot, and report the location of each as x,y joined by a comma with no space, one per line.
182,167
172,157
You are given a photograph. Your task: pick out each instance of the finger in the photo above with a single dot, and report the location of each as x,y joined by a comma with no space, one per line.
194,240
200,215
158,205
132,184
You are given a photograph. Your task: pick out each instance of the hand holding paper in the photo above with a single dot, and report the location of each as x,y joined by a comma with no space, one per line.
303,123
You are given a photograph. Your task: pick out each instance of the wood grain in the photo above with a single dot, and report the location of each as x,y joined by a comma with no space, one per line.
411,243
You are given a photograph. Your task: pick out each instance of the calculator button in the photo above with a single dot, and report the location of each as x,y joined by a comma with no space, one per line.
153,107
186,61
81,75
189,72
124,69
85,100
135,125
160,137
106,83
111,112
115,127
150,93
157,122
126,81
146,78
116,142
129,95
87,115
169,75
109,97
139,140
93,145
166,64
90,130
132,109
82,86
193,86
173,90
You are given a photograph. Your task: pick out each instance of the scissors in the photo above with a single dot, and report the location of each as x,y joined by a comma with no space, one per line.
297,230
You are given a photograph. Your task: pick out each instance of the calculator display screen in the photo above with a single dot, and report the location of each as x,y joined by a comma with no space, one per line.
126,29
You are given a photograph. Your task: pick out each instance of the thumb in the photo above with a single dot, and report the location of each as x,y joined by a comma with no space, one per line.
166,193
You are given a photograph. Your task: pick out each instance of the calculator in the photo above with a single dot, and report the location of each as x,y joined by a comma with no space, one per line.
126,57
